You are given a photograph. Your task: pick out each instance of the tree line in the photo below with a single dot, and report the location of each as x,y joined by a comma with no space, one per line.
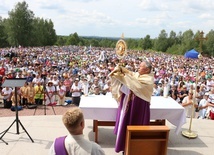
23,28
170,43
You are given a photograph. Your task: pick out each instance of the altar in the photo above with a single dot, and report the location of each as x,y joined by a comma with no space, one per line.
104,108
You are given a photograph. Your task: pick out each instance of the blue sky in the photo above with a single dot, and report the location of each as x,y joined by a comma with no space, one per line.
111,18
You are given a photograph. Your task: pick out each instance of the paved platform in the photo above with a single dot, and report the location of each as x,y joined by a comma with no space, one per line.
43,129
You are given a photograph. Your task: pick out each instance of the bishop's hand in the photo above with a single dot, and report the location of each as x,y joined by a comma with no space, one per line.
117,69
124,70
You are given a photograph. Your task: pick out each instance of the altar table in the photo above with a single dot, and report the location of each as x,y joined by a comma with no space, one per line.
103,109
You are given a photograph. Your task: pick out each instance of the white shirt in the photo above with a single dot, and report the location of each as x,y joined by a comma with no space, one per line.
209,84
8,92
61,90
50,90
211,98
85,87
55,82
76,94
36,80
202,103
77,145
189,108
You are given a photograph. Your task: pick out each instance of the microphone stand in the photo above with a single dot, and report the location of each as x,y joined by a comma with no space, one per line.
15,82
44,98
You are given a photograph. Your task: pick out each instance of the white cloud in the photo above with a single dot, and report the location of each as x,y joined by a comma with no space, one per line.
80,17
206,16
110,18
181,25
159,5
147,5
142,20
156,20
199,5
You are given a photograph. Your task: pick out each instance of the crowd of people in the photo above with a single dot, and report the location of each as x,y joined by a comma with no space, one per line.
72,71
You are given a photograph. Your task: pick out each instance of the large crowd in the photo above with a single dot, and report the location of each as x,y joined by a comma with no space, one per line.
72,71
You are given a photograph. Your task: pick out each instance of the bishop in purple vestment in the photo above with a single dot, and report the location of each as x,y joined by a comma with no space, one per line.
133,91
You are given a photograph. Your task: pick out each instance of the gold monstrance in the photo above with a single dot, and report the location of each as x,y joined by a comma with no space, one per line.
121,48
121,52
189,133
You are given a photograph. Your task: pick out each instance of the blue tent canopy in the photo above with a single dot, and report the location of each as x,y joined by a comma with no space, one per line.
193,54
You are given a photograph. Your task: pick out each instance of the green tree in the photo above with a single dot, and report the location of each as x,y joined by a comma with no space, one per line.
49,34
19,25
147,43
209,44
132,43
140,43
174,49
113,44
94,42
172,38
61,40
81,41
73,39
38,32
188,41
179,37
161,44
3,35
105,42
43,32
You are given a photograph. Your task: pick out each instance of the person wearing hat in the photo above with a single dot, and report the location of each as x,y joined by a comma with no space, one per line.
76,90
202,107
49,94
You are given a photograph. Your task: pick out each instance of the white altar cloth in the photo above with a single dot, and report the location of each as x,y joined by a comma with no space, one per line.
104,108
